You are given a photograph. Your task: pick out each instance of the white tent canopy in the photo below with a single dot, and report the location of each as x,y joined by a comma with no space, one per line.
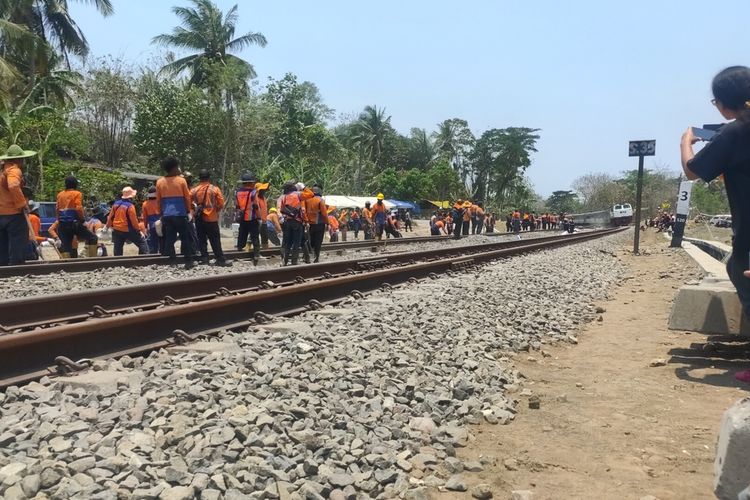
360,200
340,201
353,201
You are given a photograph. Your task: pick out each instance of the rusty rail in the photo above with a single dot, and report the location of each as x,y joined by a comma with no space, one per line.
28,355
93,264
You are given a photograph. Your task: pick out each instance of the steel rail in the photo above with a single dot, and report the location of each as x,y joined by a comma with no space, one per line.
49,310
28,355
94,264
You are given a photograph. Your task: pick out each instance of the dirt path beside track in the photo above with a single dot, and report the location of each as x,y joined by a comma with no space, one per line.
610,425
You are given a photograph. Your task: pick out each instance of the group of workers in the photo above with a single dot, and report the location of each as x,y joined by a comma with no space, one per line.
174,210
517,221
465,218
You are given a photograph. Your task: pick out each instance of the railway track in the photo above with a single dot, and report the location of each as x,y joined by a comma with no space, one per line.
138,319
83,265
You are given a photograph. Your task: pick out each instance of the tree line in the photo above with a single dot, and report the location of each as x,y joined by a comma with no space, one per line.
201,102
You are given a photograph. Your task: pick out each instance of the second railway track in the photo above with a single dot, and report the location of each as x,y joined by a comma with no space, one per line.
142,318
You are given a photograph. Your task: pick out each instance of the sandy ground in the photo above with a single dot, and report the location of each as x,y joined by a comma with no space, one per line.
611,426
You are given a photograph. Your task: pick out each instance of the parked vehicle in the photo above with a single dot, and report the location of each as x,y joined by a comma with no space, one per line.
725,221
714,221
48,215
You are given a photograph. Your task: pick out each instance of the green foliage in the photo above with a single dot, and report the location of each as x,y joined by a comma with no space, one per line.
499,162
709,198
445,182
96,185
104,110
563,202
171,120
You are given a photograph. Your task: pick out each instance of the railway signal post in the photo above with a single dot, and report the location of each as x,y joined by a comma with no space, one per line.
641,149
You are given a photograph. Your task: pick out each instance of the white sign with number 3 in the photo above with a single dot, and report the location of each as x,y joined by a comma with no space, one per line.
683,197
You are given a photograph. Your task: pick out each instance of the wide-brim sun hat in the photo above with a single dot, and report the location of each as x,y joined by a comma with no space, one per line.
15,152
128,193
261,186
33,206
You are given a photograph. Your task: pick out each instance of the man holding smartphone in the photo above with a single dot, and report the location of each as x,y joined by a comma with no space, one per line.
728,154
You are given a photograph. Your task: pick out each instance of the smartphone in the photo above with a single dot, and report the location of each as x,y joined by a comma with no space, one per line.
703,134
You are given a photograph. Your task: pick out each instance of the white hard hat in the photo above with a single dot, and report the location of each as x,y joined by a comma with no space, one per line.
299,186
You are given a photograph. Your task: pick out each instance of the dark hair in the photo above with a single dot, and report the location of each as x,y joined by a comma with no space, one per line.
152,189
204,175
731,87
71,182
170,164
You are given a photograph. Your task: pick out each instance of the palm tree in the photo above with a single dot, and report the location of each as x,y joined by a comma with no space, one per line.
51,21
206,30
372,128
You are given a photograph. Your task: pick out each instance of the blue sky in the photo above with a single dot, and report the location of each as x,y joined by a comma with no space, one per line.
591,74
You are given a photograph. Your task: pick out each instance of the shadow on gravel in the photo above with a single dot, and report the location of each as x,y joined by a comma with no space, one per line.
726,353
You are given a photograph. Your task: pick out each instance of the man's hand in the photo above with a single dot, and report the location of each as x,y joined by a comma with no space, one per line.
689,138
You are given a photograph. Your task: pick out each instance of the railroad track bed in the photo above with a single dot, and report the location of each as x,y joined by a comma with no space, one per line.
28,285
372,396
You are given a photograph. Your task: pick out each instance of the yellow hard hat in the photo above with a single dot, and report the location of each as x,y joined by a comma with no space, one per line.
380,196
273,209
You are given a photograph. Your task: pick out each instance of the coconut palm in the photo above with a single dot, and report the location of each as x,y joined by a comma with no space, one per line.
51,21
209,32
372,129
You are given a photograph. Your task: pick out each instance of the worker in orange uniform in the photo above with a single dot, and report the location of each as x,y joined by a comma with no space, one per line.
262,189
14,228
379,216
175,205
150,214
316,218
343,220
33,249
70,216
124,223
55,235
248,215
333,225
209,202
292,210
367,221
477,220
356,222
273,226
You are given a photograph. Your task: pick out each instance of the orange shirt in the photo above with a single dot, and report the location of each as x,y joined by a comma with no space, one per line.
210,198
173,196
367,213
150,212
36,225
467,215
315,210
12,200
122,217
263,208
333,222
70,206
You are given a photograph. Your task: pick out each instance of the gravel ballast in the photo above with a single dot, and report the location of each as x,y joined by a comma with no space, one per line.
50,284
369,399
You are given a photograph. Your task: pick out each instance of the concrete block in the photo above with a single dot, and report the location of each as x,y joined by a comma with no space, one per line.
731,471
220,347
711,307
